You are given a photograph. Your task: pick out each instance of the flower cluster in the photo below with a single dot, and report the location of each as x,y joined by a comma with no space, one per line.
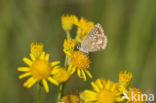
41,70
111,92
83,26
77,61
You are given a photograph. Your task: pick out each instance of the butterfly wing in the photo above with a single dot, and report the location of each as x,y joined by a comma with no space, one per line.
95,40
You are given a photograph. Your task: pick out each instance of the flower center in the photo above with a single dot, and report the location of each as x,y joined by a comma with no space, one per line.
71,98
106,96
80,60
41,69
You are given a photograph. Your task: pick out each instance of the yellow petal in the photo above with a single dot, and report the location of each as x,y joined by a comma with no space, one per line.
32,83
27,61
55,63
24,75
69,68
32,57
99,84
45,84
89,74
73,70
83,75
42,55
89,100
23,69
28,81
89,94
56,67
54,71
53,81
66,52
95,86
79,73
47,57
108,85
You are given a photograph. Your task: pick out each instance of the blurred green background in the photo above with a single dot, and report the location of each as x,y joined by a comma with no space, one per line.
129,24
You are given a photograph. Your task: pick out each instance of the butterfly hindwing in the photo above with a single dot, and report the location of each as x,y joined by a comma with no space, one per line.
95,40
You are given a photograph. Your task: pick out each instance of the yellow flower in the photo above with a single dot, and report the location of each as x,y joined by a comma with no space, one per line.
104,92
79,61
68,21
138,96
36,49
70,98
39,69
60,75
125,78
84,27
69,45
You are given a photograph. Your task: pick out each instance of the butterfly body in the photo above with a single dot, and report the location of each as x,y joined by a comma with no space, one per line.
95,40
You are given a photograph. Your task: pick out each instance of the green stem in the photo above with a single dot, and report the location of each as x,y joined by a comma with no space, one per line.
66,62
39,94
61,87
61,90
68,34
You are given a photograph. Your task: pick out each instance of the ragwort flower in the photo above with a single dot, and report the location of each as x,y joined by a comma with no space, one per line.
104,92
39,69
139,98
70,98
79,62
36,49
125,78
68,21
84,27
69,45
60,75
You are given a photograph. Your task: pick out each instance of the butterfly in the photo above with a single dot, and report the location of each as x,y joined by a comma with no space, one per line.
95,40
